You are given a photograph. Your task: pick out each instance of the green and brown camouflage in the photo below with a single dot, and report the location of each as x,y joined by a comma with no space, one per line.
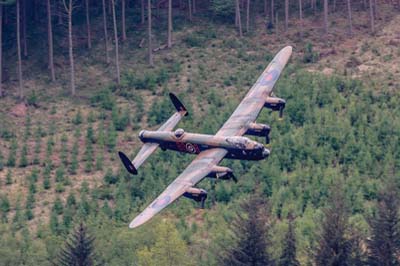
228,142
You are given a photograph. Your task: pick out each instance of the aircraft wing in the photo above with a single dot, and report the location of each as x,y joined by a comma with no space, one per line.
251,106
194,173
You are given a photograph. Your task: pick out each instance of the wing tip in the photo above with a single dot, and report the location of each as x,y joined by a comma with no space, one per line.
127,163
178,104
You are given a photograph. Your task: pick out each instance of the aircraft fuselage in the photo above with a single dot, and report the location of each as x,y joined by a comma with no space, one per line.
238,147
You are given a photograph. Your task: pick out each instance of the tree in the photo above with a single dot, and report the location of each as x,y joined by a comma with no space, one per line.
78,249
248,15
89,37
326,16
334,247
238,20
169,23
69,7
105,30
20,82
371,15
169,248
286,15
349,17
288,257
116,42
384,245
50,41
1,50
150,52
123,21
301,17
250,233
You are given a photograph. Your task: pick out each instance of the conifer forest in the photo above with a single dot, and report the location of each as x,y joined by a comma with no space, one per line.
80,78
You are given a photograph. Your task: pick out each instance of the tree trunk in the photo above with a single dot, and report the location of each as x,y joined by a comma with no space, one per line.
248,16
265,8
350,19
149,32
190,10
272,19
375,9
24,43
371,15
194,7
238,18
59,12
105,31
116,41
169,23
1,50
21,93
326,16
89,35
71,52
301,17
123,21
50,41
286,15
142,10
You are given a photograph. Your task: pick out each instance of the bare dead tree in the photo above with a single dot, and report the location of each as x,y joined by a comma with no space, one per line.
238,18
69,8
248,15
105,31
123,20
50,41
169,23
1,50
371,15
326,16
116,41
190,10
286,15
272,19
142,11
149,32
20,82
301,17
350,18
24,42
89,37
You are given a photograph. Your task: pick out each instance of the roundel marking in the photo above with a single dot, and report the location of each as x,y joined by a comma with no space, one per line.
161,202
190,148
270,77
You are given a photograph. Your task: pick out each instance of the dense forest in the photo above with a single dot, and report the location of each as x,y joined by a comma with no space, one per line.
80,78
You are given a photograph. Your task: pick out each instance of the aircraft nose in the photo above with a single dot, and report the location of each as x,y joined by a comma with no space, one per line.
265,152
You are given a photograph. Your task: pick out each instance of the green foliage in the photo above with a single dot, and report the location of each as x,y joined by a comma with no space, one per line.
288,257
168,249
13,153
58,206
9,180
104,99
78,118
224,9
24,156
384,245
110,178
250,233
310,56
1,161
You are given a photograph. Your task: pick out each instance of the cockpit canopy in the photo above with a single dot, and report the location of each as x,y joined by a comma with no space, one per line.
179,133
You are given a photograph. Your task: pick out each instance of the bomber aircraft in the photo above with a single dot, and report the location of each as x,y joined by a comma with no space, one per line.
228,142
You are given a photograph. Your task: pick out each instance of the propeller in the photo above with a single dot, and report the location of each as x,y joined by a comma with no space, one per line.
281,107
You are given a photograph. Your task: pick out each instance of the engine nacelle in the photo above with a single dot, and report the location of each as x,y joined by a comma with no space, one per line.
196,194
221,172
260,130
275,104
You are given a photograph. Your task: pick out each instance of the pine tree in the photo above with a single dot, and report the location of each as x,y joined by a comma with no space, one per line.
13,153
384,245
1,157
249,228
78,250
288,257
334,246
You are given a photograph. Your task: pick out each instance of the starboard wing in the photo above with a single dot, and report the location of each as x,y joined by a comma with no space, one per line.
194,173
251,106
